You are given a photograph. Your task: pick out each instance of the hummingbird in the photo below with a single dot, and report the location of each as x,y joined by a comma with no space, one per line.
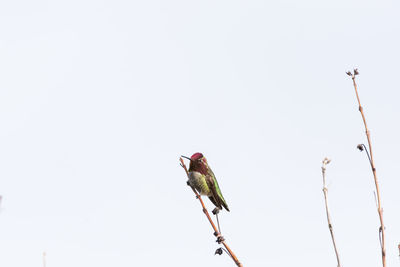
202,178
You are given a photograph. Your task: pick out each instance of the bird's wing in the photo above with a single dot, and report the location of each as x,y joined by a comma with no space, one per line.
212,199
215,190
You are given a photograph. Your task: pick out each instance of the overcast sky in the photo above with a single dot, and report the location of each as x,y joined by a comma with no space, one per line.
98,99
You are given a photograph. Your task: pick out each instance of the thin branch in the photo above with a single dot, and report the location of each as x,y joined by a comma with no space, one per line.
44,259
380,210
219,228
325,190
220,239
362,147
398,246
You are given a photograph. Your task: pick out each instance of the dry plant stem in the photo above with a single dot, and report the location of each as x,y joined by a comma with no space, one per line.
325,190
380,210
216,232
44,259
399,249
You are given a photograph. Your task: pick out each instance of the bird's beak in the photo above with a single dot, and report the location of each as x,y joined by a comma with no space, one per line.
186,158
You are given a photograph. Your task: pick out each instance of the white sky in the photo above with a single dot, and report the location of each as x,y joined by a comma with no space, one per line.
98,99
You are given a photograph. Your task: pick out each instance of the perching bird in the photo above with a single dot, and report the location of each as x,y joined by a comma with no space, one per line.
203,180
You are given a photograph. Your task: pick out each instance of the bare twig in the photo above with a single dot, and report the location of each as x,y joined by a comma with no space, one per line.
325,190
219,228
398,246
44,259
220,239
371,161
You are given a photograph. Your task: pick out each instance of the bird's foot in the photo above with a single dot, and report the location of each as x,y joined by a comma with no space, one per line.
216,211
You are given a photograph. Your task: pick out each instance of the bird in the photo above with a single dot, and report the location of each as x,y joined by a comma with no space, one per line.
202,178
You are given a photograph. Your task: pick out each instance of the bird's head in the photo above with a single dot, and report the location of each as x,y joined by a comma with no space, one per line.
198,163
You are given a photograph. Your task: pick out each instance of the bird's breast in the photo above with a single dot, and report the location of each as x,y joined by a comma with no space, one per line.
198,181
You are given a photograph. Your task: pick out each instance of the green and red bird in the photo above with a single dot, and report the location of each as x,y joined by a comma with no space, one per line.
203,180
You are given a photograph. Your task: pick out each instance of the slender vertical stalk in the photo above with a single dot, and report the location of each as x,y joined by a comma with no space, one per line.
325,190
220,239
44,259
378,194
398,246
